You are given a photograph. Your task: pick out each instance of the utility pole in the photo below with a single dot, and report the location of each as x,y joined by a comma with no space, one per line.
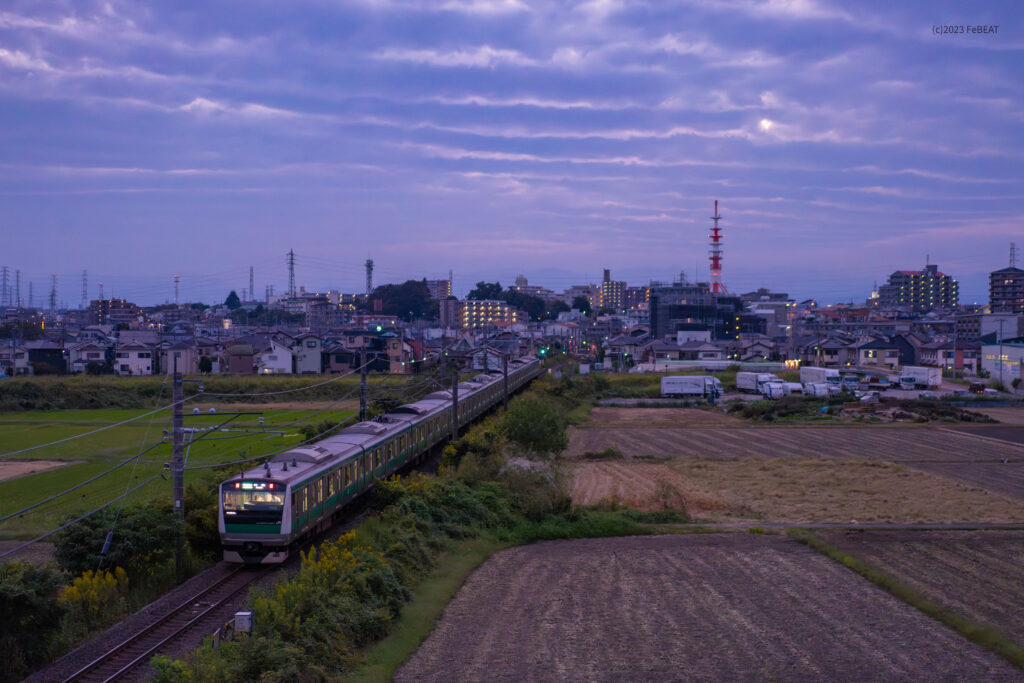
178,469
1001,352
504,372
17,289
455,406
362,384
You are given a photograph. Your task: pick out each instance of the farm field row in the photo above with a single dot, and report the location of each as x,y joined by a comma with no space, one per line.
789,490
696,607
979,574
965,455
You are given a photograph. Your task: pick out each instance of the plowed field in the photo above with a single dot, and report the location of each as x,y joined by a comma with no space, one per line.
661,417
789,490
979,574
969,457
709,607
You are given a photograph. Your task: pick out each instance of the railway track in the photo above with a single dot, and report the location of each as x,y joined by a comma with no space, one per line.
134,653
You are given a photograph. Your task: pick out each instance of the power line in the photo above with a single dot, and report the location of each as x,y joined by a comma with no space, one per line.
97,431
78,519
80,485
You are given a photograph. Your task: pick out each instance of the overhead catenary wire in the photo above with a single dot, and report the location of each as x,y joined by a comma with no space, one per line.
96,431
77,519
81,484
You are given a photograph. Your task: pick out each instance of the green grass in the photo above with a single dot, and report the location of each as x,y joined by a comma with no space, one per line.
986,636
430,598
93,454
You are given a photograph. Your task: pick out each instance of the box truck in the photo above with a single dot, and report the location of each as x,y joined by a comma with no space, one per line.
774,390
820,389
691,385
916,377
752,382
814,375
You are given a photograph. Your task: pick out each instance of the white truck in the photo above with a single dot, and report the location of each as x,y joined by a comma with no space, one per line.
851,382
813,375
752,382
916,377
691,385
774,390
820,389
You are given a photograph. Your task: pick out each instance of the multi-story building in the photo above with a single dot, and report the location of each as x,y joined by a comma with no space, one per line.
523,286
636,297
692,306
480,312
439,289
592,293
113,312
1006,290
919,290
613,293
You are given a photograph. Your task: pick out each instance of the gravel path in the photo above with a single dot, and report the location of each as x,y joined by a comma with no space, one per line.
707,608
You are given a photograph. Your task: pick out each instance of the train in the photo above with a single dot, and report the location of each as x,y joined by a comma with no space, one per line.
267,512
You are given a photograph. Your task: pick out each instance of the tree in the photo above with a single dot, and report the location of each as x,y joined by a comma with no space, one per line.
535,427
31,616
485,290
144,538
582,304
205,365
232,301
409,300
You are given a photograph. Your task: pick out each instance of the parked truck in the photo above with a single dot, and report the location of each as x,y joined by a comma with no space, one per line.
916,377
812,375
851,382
753,382
820,389
691,385
774,390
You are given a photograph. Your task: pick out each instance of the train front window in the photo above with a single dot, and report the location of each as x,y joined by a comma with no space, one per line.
253,502
240,501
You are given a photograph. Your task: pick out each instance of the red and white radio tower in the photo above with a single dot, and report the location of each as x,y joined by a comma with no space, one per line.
716,255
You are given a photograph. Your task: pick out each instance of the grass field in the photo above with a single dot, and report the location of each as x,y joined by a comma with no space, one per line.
91,455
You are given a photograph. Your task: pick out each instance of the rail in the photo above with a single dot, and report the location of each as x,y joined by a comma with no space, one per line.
141,646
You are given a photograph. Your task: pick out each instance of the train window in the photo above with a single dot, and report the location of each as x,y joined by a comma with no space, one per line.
330,485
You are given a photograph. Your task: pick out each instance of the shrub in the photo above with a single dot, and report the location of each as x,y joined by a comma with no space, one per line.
31,617
144,539
94,599
535,427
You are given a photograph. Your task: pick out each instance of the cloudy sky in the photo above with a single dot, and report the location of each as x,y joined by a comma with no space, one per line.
498,137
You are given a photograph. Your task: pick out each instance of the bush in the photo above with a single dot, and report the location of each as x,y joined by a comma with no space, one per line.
144,540
94,599
31,617
535,427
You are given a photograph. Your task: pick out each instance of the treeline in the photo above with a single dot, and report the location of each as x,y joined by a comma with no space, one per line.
96,392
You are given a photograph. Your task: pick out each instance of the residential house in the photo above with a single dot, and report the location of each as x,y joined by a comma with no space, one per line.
181,355
14,359
273,358
877,352
947,354
133,358
238,359
211,349
307,352
91,357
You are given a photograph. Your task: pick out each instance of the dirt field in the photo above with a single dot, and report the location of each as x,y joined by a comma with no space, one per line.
789,490
649,486
979,574
967,455
707,607
661,417
1006,416
12,469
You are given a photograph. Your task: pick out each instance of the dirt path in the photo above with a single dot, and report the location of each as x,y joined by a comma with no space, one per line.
12,469
708,607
